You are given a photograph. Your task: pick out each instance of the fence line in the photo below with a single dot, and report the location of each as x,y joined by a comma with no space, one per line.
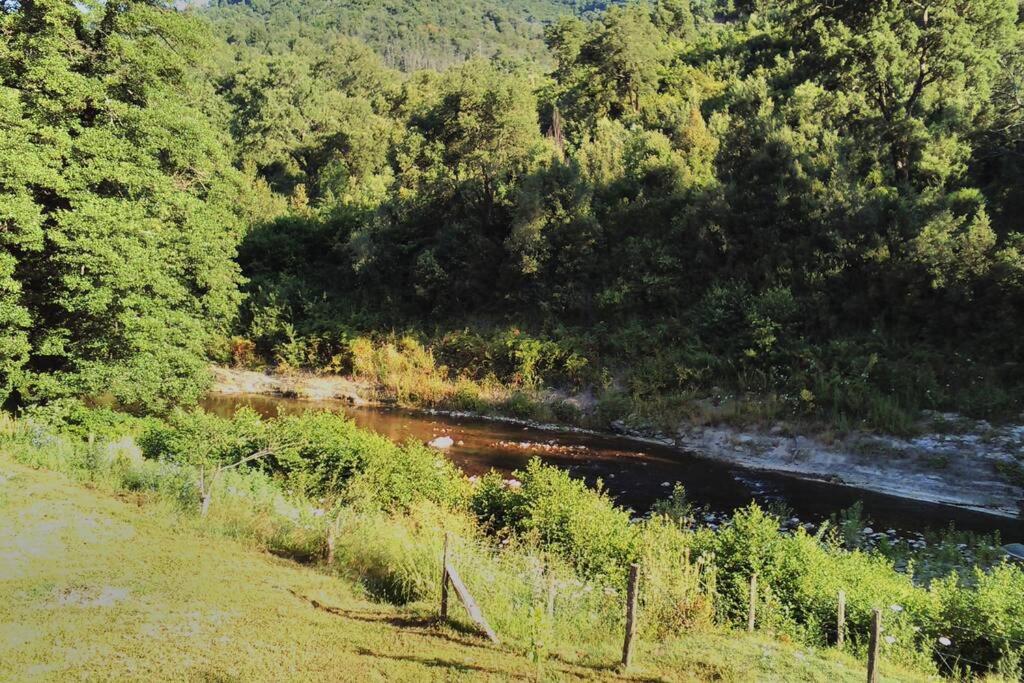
450,579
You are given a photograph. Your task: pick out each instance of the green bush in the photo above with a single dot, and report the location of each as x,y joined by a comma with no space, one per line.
799,578
581,524
521,405
611,406
393,477
469,352
468,397
566,412
318,451
680,585
205,440
984,622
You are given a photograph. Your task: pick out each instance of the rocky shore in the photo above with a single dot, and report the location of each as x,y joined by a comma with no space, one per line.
965,465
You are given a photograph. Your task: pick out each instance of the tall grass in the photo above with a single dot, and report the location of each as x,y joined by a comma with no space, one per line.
547,558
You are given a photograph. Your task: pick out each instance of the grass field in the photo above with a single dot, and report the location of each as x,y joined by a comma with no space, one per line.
94,586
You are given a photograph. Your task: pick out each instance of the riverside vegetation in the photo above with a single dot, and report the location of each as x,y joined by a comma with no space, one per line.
223,610
387,506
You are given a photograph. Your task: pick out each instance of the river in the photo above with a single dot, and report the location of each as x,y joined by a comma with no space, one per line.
636,473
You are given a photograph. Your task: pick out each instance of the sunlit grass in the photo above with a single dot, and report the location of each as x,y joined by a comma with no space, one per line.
127,587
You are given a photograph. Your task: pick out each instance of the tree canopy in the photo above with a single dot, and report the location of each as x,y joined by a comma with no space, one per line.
120,209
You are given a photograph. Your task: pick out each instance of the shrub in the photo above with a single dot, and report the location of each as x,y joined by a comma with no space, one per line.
470,352
799,578
581,524
529,361
243,353
521,405
679,586
566,412
611,406
403,368
319,451
394,478
468,397
984,622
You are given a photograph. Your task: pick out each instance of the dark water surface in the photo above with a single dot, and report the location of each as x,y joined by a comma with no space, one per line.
634,472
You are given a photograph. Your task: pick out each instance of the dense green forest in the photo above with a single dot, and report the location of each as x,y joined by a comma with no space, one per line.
815,201
408,34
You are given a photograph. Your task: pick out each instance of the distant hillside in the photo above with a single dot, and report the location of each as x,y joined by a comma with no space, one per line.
409,34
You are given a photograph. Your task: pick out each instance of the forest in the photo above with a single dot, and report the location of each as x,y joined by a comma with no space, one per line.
819,202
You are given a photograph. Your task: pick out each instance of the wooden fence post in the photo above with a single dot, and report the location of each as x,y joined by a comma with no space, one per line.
876,632
330,543
449,576
444,578
841,620
552,591
752,607
631,604
470,604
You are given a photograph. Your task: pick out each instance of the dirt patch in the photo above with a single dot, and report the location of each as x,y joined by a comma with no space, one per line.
105,596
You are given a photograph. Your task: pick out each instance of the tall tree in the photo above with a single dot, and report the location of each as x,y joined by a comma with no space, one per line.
130,184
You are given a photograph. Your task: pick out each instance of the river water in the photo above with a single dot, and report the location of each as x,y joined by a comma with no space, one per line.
634,472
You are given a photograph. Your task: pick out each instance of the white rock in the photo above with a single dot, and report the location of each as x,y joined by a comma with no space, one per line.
441,442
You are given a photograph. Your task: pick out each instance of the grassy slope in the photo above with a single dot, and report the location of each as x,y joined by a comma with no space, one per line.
99,587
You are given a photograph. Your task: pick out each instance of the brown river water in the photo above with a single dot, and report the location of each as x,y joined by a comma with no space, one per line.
634,472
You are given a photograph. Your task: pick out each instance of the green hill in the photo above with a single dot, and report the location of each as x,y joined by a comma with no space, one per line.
409,34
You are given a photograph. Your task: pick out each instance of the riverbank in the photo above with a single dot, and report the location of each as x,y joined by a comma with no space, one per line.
376,513
953,461
231,381
974,469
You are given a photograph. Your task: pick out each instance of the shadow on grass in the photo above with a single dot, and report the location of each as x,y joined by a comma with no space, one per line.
423,625
433,627
437,662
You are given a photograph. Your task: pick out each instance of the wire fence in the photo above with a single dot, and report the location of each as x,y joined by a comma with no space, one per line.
897,635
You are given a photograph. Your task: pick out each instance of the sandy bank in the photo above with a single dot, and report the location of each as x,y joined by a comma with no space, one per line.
299,385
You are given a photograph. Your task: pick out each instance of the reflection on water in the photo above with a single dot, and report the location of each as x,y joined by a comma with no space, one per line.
634,472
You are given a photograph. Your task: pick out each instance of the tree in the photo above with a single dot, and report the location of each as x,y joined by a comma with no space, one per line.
608,68
920,72
124,207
